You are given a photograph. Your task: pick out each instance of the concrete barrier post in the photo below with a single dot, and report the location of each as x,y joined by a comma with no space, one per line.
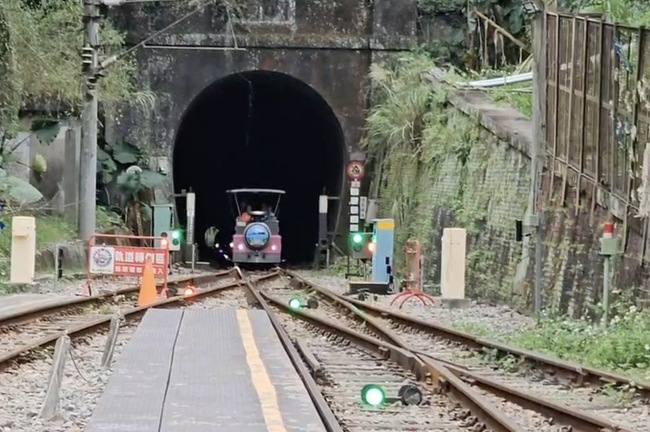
51,404
452,268
111,340
23,249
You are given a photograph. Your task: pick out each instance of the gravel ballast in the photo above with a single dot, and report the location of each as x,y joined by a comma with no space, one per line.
496,320
22,389
74,284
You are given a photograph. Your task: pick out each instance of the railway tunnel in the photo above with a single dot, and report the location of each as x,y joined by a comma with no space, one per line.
259,129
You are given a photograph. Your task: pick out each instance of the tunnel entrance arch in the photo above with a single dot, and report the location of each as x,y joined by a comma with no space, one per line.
260,129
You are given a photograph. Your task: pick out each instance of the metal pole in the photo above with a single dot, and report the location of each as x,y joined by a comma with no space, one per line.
607,280
537,150
190,206
190,210
193,257
609,248
88,163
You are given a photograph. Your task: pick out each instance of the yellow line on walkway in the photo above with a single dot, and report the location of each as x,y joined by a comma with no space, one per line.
261,381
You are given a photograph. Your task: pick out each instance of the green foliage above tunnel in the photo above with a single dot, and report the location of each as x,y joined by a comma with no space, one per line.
40,64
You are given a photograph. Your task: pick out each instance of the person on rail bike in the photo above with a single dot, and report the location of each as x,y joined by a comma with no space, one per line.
246,215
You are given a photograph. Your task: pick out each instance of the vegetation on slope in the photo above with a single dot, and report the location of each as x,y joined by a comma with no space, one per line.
409,134
630,12
623,346
50,230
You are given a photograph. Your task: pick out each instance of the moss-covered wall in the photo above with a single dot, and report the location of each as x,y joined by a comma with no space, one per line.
442,165
484,194
484,189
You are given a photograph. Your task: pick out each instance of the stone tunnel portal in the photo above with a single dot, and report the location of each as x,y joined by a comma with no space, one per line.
259,129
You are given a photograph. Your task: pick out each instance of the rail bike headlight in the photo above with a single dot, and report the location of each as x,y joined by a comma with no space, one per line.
257,235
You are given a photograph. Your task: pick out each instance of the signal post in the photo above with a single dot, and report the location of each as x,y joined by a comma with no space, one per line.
367,242
359,241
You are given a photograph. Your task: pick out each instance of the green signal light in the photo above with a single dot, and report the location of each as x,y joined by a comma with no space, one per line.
295,303
357,238
373,395
176,235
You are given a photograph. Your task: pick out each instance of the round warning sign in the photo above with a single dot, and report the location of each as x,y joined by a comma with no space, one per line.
356,170
102,260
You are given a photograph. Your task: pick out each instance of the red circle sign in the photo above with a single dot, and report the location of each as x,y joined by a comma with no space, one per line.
356,170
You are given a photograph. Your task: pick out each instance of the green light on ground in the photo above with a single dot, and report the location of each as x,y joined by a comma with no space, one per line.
357,238
295,303
373,395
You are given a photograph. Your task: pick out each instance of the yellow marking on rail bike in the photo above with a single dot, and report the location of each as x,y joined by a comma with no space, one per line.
263,385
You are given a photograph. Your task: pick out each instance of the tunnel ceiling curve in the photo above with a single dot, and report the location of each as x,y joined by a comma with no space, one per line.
260,129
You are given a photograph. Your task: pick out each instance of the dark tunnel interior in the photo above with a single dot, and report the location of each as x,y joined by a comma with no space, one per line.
259,129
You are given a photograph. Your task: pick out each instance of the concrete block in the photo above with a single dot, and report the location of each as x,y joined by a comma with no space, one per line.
452,277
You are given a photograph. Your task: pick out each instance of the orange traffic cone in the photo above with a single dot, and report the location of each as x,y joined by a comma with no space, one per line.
148,293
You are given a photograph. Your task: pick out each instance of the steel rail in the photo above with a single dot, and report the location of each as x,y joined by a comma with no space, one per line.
579,374
430,372
576,418
23,316
328,418
580,420
8,358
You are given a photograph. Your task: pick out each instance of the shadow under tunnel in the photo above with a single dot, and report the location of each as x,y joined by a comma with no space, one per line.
259,129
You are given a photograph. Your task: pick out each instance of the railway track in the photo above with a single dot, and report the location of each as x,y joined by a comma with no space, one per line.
343,369
527,395
23,333
348,343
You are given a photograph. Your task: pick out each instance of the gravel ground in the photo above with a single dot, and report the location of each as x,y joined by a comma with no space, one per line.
22,390
498,320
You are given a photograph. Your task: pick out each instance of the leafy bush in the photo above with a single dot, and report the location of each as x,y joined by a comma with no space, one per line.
124,179
622,346
18,190
44,39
